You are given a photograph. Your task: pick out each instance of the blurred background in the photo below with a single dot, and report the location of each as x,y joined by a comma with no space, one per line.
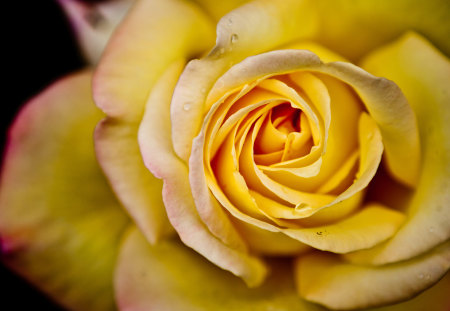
40,48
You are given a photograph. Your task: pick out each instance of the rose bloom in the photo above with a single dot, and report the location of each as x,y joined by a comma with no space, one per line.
261,155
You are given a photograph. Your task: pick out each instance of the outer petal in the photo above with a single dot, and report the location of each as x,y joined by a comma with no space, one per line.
153,35
325,279
225,250
94,24
59,221
253,28
152,278
217,9
353,28
424,76
138,190
131,64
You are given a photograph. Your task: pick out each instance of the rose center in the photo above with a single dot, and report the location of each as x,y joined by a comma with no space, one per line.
284,135
284,146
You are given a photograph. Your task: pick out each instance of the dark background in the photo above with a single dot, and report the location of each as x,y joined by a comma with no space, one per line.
40,47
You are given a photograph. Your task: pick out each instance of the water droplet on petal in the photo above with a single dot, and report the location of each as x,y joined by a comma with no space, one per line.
230,22
301,205
186,107
427,277
431,229
303,209
221,51
234,38
420,276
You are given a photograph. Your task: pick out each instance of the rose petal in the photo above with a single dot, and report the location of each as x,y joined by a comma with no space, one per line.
217,9
152,134
232,191
325,279
134,59
366,228
424,76
286,61
354,28
268,243
131,64
340,137
138,190
59,221
383,99
390,110
225,249
152,278
94,24
253,28
170,276
327,215
324,54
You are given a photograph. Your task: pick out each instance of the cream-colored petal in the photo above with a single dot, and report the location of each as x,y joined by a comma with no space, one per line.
261,66
159,157
94,24
60,224
153,35
325,279
423,74
253,28
170,276
117,149
215,219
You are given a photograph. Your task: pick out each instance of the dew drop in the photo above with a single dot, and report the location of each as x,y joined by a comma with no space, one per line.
230,22
303,209
427,277
203,90
301,206
221,51
186,107
431,229
234,38
420,276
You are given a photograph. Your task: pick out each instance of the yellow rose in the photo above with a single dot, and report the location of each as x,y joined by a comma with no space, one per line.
310,178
